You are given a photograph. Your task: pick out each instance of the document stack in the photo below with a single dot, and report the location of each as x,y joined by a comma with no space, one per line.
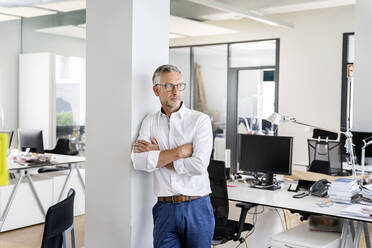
343,189
367,191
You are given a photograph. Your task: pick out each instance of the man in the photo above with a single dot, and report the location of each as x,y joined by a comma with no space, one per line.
175,144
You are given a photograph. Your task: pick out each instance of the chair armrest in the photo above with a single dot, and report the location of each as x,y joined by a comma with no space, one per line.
243,214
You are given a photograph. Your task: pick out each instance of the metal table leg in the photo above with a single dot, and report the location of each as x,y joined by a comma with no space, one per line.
10,200
344,234
352,229
357,234
66,182
366,235
80,176
36,194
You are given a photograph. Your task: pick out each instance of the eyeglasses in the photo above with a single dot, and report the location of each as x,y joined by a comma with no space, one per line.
170,87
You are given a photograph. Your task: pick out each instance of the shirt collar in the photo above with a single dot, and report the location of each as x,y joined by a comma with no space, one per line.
180,112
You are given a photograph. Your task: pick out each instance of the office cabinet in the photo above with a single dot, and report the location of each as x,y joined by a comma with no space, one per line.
37,94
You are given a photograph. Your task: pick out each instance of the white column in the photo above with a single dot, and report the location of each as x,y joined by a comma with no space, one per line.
126,41
362,117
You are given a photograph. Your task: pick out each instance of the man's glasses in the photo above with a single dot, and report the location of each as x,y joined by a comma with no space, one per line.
169,87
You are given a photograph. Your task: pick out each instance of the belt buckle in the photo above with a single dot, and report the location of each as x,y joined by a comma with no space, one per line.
173,199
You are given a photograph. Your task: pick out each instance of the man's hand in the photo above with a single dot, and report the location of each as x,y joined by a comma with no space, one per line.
185,150
169,166
144,146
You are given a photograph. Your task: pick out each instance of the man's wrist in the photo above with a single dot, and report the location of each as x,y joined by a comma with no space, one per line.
179,152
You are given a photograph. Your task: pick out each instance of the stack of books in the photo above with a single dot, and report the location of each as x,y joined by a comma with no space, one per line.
343,189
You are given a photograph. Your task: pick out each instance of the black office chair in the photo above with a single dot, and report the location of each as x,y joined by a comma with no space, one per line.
323,134
62,147
225,229
58,222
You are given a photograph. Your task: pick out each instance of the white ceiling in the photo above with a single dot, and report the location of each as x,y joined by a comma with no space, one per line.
187,17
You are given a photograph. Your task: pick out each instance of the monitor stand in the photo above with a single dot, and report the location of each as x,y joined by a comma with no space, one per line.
266,182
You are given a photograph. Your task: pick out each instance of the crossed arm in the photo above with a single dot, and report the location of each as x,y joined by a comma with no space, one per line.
166,157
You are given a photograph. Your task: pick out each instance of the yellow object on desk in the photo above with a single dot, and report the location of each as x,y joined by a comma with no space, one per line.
4,175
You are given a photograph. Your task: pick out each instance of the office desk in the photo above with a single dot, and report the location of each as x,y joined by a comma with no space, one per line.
283,199
22,171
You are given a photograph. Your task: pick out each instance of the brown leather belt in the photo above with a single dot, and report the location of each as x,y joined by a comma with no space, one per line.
177,198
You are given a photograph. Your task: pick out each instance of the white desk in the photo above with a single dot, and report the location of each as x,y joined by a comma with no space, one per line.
24,171
283,199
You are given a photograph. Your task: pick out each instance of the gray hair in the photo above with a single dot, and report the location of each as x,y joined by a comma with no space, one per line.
163,68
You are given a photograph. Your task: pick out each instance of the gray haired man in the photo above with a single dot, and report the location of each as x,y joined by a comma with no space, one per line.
175,144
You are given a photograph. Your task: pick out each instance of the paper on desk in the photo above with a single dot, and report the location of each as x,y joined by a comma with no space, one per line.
4,175
358,210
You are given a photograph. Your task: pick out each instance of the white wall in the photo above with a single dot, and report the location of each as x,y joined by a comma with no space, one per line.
310,65
362,119
10,46
124,46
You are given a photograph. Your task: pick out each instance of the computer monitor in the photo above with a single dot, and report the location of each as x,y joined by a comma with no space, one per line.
10,136
31,138
266,154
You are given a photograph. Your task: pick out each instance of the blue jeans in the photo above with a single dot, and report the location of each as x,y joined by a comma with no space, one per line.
186,224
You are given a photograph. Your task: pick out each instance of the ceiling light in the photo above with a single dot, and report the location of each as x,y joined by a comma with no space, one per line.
4,18
187,27
173,36
22,3
244,13
65,6
68,30
25,11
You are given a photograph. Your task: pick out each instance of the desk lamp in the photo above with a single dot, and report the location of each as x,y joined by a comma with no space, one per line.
276,118
366,144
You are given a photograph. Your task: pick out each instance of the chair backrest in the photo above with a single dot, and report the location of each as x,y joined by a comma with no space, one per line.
219,197
325,157
323,134
59,218
63,147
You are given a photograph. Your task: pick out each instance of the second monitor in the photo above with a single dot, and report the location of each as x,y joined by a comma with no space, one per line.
266,154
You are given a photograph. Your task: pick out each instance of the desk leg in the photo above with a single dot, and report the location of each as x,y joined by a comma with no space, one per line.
66,182
35,194
352,229
357,234
80,176
366,235
345,234
10,200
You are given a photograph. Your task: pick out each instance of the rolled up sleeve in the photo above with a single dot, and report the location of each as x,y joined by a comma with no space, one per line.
145,161
202,148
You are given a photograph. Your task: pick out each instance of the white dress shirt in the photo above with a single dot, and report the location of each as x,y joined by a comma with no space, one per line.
190,176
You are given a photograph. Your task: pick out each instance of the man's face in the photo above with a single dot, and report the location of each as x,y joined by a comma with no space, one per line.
169,99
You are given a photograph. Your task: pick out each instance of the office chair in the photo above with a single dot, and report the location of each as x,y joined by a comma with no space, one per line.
325,157
62,147
322,134
58,222
225,229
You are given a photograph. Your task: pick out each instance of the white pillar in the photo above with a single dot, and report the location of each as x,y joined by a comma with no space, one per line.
362,117
126,41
